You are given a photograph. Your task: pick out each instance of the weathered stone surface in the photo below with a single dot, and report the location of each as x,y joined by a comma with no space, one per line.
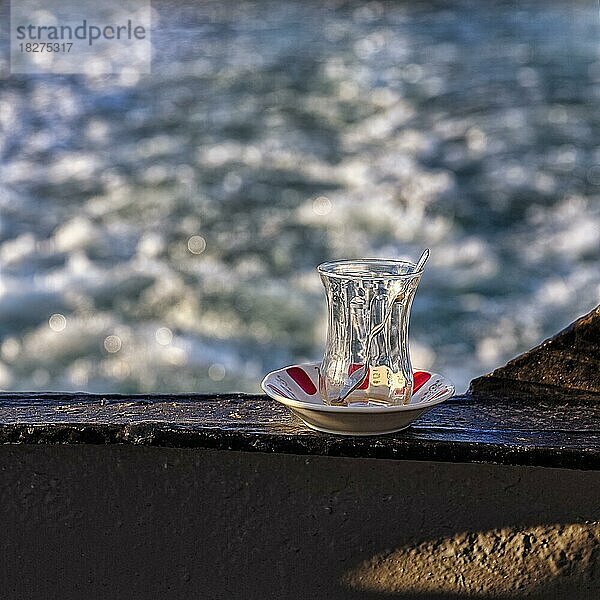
122,521
544,561
569,360
558,429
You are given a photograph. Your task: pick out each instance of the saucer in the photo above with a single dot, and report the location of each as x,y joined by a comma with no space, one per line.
297,388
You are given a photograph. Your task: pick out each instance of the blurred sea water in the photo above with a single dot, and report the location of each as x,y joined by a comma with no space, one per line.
161,232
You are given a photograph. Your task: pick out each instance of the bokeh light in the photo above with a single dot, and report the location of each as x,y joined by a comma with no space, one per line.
196,244
112,343
57,322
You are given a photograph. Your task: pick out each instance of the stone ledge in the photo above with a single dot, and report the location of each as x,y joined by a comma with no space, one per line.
526,425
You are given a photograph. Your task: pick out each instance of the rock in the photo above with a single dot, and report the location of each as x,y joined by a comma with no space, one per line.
569,360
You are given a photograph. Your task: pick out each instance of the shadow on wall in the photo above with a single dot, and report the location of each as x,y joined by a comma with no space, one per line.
536,562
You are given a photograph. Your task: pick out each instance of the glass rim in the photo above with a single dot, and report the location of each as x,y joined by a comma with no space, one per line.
326,268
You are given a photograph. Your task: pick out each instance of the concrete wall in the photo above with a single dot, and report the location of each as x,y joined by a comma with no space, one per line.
132,522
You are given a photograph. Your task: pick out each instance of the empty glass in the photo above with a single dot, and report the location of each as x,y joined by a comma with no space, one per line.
359,293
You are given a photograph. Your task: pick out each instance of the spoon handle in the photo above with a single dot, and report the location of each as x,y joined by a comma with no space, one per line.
422,260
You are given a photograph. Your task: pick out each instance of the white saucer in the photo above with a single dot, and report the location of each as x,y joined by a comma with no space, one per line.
297,387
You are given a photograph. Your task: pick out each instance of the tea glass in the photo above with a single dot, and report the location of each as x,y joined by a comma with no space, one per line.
359,293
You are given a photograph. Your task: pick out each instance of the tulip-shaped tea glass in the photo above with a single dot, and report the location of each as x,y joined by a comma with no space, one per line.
361,294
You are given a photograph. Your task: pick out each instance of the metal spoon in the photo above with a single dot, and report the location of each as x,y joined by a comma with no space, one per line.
357,377
422,260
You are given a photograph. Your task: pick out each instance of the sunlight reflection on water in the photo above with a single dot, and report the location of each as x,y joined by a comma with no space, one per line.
196,201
